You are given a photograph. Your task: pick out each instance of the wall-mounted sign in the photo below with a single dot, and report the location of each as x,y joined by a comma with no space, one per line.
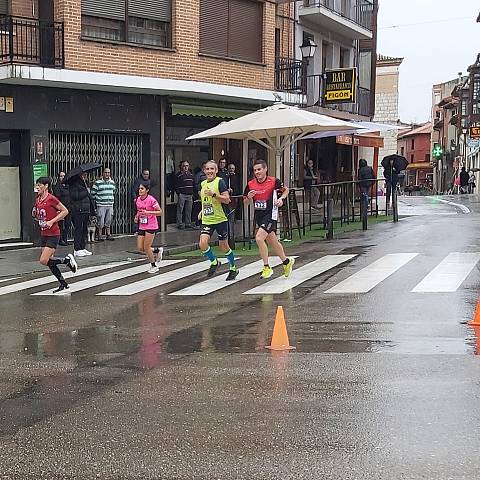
475,130
340,86
39,170
9,104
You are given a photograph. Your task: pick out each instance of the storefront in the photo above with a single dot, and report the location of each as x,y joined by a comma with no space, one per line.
419,174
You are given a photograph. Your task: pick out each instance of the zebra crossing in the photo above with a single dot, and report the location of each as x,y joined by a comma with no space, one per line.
446,275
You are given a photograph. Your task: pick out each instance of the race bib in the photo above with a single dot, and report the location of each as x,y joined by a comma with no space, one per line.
143,220
260,205
207,209
43,224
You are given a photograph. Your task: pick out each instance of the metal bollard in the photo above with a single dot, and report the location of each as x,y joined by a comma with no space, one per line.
395,205
330,219
364,211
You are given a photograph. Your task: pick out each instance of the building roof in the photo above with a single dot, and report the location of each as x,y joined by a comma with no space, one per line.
422,130
385,60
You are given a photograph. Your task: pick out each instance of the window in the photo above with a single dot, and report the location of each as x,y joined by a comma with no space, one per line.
412,158
365,69
402,151
344,58
232,28
145,22
413,144
427,157
3,7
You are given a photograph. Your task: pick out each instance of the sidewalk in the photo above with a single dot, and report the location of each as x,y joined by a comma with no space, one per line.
23,261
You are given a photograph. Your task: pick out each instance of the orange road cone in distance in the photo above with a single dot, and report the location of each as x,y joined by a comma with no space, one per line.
476,319
280,336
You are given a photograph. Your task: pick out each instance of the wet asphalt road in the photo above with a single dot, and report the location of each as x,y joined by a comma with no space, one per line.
382,385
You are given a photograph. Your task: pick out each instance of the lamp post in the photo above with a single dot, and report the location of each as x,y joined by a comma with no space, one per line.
308,49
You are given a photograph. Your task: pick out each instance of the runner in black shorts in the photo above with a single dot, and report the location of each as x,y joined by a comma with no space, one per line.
48,211
267,194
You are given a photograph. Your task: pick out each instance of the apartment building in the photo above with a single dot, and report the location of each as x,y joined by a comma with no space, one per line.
124,83
333,35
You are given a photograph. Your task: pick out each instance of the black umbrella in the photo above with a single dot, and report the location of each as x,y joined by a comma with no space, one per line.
399,162
84,168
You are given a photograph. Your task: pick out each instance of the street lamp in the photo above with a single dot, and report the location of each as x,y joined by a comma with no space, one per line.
308,49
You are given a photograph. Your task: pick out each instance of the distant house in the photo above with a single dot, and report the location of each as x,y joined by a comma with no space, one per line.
414,144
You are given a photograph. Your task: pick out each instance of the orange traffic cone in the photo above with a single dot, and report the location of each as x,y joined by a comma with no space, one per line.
280,335
476,319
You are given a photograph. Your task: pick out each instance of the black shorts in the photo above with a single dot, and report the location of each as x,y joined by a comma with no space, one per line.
141,233
266,223
221,228
50,242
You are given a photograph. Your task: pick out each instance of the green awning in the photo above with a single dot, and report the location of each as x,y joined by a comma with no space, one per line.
204,111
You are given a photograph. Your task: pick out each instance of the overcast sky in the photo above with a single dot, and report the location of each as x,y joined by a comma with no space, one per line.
437,38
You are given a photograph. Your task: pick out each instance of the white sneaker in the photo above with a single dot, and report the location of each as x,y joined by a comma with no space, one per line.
80,253
86,252
159,254
153,270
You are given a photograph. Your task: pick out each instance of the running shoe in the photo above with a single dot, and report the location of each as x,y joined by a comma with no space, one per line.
287,269
213,268
80,253
232,274
62,290
267,272
159,254
71,263
86,252
153,270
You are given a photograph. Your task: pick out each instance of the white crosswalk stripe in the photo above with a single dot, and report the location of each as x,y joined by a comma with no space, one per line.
217,283
300,275
110,277
5,280
370,276
18,287
449,274
157,280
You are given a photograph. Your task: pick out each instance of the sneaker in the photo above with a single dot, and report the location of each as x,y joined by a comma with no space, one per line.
287,269
213,268
181,227
110,239
153,270
87,253
159,254
232,274
80,253
71,263
267,272
62,290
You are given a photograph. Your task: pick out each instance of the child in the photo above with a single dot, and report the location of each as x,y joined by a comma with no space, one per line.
48,211
148,210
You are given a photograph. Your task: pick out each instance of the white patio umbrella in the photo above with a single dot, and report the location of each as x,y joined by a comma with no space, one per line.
268,125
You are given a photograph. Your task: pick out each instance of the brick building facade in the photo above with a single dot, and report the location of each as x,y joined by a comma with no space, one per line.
124,83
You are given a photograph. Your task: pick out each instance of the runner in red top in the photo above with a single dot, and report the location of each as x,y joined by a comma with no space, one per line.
48,211
267,195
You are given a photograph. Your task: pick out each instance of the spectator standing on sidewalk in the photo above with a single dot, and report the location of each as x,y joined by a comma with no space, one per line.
222,169
366,177
60,190
103,193
471,182
310,177
143,178
464,177
184,183
82,205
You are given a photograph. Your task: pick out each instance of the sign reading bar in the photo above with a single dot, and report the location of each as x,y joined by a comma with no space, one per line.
475,130
340,85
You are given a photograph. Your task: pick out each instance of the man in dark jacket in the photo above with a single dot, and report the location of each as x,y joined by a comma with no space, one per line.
141,180
184,184
60,190
464,177
391,178
81,209
366,177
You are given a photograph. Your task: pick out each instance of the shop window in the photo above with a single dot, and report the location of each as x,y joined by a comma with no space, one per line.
223,34
134,21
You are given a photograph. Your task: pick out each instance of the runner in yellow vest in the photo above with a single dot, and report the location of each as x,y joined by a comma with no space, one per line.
214,194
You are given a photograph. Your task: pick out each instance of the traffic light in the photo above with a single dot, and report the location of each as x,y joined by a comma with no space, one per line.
437,151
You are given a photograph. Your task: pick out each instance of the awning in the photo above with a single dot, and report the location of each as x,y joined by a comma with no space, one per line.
419,165
207,111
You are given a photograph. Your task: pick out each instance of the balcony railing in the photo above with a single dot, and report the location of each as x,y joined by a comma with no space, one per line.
290,75
360,12
31,42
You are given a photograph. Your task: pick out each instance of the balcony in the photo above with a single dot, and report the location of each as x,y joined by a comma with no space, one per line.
291,77
27,41
349,18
